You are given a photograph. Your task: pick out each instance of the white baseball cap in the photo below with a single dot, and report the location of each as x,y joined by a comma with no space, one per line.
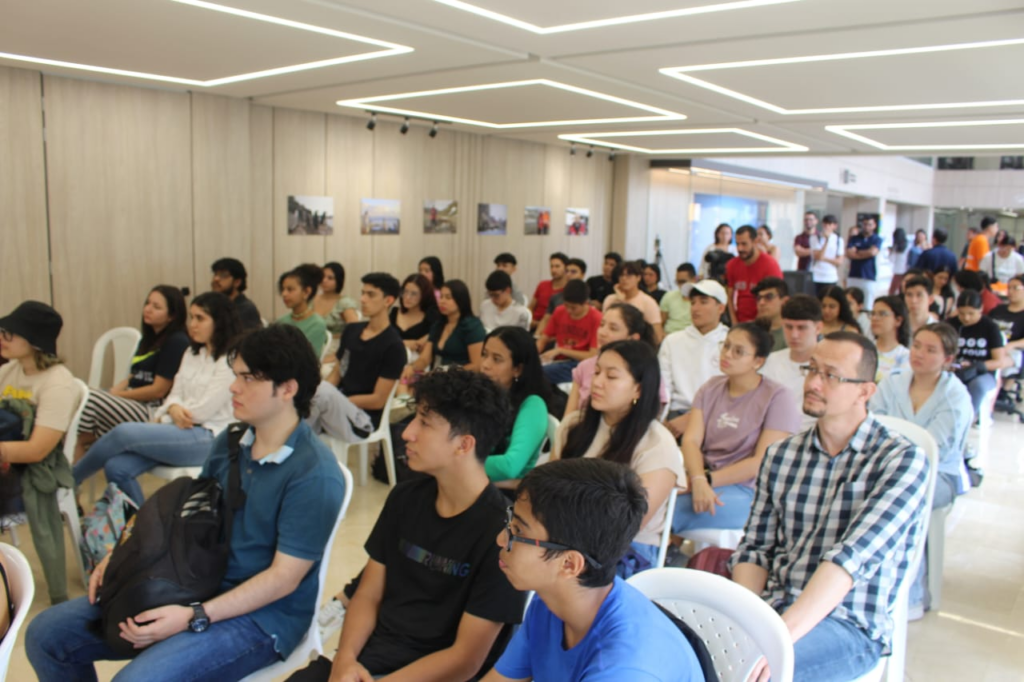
712,288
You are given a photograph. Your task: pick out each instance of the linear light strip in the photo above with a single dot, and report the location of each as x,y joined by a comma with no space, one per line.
615,21
845,131
601,140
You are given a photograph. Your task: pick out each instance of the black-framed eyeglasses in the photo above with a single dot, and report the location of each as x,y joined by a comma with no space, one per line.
6,335
539,543
831,379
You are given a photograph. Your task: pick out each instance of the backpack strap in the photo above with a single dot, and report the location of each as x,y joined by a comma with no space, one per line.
707,664
236,496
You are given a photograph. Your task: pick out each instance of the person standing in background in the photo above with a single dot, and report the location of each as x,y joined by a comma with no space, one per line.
743,273
826,255
802,243
898,255
861,251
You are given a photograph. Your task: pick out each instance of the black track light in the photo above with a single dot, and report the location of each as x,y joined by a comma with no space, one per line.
372,123
572,149
590,152
405,126
433,130
611,154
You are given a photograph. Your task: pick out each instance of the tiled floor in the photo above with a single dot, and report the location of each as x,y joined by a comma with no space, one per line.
978,634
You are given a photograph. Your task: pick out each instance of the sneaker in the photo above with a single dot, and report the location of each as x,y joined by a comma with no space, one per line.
330,618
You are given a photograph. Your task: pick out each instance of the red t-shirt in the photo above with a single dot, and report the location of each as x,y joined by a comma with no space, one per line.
742,278
543,295
578,334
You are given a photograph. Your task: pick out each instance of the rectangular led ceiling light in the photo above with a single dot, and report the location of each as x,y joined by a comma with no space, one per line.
613,21
389,49
683,73
844,130
377,104
606,140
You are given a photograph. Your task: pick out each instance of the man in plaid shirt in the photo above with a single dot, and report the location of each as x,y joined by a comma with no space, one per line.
836,512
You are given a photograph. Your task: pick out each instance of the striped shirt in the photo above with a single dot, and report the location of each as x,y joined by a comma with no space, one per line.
861,510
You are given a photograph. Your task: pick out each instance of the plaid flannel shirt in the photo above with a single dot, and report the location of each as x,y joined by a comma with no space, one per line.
861,510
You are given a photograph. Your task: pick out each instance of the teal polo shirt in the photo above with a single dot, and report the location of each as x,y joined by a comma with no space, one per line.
293,497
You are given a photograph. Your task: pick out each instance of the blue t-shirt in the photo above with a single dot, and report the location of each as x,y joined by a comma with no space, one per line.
630,639
292,501
864,268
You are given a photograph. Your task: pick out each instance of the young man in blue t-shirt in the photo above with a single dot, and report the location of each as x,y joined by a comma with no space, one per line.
861,250
294,490
571,522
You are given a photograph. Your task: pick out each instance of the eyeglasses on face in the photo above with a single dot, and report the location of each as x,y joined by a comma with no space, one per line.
6,335
770,296
832,380
727,348
539,543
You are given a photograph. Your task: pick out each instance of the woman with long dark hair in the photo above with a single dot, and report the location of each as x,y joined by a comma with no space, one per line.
416,312
898,255
197,408
982,350
890,325
715,256
620,424
836,315
156,361
430,267
332,304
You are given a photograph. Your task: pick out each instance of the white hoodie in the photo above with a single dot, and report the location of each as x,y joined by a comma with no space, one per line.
688,359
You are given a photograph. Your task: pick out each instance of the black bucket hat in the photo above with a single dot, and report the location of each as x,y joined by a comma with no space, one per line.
37,323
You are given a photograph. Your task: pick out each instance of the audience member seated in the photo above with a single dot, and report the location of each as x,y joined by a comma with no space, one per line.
982,350
836,512
855,300
297,289
510,360
744,272
229,278
432,603
576,268
690,357
571,522
430,267
652,282
836,314
978,281
826,254
331,304
156,361
500,310
277,542
506,262
891,329
557,264
371,359
620,424
1010,316
602,286
36,386
573,329
457,337
933,398
196,410
943,298
734,419
938,258
675,304
1004,262
801,323
716,256
628,277
771,293
415,313
917,294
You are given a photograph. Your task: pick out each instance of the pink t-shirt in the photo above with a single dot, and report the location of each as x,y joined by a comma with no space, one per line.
732,426
641,301
583,375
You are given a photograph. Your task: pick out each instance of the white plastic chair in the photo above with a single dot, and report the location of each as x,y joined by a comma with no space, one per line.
666,532
311,645
66,502
382,435
124,340
326,348
23,589
702,538
737,626
891,667
549,442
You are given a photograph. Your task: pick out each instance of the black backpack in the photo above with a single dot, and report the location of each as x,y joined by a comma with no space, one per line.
177,551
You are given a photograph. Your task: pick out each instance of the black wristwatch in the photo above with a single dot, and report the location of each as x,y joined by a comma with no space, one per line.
200,621
707,474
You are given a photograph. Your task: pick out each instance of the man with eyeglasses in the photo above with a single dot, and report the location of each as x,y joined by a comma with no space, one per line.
771,293
500,309
572,521
432,603
836,512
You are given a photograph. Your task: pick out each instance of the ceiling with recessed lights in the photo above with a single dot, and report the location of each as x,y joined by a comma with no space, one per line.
652,77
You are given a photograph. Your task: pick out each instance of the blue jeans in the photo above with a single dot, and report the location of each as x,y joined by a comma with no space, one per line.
132,449
737,500
560,372
649,552
63,642
834,651
979,387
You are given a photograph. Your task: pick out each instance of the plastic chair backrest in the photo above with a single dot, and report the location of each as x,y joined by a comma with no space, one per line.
125,340
737,626
666,532
326,348
23,589
71,435
549,442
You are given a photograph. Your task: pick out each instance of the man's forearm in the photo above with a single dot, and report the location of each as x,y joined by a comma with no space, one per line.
263,588
360,620
440,666
824,592
751,576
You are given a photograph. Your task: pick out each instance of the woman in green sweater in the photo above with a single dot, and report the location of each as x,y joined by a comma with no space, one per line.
297,289
510,359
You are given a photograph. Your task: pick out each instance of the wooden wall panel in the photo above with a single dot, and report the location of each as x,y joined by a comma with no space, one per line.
120,207
262,282
25,258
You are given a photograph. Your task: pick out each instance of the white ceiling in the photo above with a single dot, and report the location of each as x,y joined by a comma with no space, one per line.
665,77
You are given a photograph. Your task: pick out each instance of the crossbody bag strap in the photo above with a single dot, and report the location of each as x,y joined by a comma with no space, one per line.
235,494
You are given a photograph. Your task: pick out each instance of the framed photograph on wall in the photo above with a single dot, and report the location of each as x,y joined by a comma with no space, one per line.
577,222
492,219
439,216
537,220
309,215
380,216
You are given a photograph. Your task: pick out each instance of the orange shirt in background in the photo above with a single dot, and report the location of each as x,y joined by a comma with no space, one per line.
977,250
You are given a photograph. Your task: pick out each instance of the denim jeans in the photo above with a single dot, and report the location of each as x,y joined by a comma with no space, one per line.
560,372
133,449
63,642
834,651
979,387
737,500
648,552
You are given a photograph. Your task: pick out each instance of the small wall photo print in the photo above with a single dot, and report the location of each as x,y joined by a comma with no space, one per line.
308,215
439,216
537,220
380,216
492,219
577,222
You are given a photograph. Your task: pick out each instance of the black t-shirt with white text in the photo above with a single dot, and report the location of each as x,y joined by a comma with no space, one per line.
978,340
162,362
363,362
1009,319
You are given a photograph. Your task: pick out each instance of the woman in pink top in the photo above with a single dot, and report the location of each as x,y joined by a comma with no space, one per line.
627,290
734,419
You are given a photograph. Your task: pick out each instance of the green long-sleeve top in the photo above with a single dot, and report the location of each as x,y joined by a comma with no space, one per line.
528,433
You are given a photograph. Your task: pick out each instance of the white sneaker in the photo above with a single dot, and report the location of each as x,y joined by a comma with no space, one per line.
330,618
